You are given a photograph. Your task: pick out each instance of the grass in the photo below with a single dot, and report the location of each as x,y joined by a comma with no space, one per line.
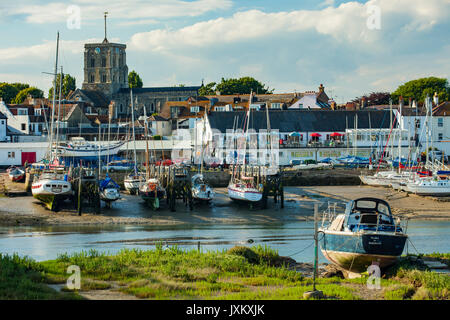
241,273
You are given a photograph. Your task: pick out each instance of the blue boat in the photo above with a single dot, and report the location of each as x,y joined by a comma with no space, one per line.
365,234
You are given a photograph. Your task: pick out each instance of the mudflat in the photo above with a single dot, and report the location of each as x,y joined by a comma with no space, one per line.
298,205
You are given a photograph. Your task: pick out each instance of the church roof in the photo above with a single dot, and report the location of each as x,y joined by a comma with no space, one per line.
98,98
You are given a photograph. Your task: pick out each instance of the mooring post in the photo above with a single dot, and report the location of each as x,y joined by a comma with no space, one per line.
79,193
315,293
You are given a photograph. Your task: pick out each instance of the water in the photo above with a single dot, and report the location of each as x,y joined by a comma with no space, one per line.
293,238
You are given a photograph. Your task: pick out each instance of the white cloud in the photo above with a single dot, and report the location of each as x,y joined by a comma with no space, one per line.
347,22
120,9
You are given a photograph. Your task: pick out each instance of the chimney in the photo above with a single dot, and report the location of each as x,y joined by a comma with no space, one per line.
410,102
321,88
363,102
436,99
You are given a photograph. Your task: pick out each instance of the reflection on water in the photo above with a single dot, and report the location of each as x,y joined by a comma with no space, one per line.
290,238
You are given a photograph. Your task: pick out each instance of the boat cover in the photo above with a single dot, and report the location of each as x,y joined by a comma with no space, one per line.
108,183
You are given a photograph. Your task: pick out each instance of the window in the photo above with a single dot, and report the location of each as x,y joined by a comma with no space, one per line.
103,77
23,126
195,109
440,136
275,106
2,122
11,155
440,122
22,112
92,78
103,62
92,63
418,123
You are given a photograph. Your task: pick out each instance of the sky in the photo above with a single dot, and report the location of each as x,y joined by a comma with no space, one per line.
351,47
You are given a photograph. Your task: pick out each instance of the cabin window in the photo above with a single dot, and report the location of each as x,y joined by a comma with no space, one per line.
11,155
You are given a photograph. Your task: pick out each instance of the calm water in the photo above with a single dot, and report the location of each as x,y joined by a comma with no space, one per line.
293,239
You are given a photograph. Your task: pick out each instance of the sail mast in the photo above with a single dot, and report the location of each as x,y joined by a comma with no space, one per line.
54,96
134,137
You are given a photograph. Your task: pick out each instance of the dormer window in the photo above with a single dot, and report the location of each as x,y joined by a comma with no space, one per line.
195,109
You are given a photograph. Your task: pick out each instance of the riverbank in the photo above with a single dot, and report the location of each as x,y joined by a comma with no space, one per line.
299,203
240,273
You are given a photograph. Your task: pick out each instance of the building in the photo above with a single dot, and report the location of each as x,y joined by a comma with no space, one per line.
313,100
301,134
26,119
3,127
106,81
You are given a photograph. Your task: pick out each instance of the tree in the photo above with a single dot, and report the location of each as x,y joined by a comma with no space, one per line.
23,94
134,80
207,90
375,98
419,88
241,86
68,84
8,91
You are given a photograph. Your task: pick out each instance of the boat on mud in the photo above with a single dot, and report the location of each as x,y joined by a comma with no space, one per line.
201,191
365,234
152,192
16,174
52,188
109,190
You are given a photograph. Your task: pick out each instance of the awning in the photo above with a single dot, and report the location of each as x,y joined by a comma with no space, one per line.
336,134
315,134
295,134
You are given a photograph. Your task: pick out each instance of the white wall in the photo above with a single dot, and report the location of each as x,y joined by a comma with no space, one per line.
7,148
3,124
308,101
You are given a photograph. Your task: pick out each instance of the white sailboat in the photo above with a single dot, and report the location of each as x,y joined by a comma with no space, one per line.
52,187
201,191
244,188
134,180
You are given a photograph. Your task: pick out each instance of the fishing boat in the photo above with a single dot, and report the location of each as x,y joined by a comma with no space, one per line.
16,174
51,188
109,190
201,191
364,234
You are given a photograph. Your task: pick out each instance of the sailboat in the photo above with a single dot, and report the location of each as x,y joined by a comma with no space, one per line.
201,191
52,187
109,189
151,190
244,188
134,180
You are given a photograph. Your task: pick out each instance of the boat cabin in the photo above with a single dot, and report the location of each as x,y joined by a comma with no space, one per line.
368,214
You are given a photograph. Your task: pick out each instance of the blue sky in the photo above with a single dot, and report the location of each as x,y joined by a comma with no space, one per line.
288,45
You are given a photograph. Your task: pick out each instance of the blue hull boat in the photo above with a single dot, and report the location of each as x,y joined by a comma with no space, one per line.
364,235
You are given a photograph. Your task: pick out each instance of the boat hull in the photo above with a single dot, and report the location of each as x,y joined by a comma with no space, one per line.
355,252
244,195
152,199
132,185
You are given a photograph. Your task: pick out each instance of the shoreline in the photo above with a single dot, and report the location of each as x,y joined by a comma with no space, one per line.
299,202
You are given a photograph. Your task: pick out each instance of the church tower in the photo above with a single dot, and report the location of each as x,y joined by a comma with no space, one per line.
105,66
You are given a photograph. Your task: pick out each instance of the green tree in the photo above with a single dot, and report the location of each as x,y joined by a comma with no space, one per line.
8,91
134,80
32,91
68,84
241,86
208,90
419,88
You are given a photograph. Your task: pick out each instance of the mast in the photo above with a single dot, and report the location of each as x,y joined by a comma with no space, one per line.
400,127
246,130
392,140
203,133
59,108
109,139
54,96
427,131
134,136
147,173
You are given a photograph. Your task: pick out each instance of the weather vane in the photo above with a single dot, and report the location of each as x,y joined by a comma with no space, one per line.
106,13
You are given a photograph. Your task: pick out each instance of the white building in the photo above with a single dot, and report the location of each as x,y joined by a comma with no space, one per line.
414,121
26,119
312,100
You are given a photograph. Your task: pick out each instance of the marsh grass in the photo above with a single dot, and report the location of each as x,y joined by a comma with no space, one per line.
242,273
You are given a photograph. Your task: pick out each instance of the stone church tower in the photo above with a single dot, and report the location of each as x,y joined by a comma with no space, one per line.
105,67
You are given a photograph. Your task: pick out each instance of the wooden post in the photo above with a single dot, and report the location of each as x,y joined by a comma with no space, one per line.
79,193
